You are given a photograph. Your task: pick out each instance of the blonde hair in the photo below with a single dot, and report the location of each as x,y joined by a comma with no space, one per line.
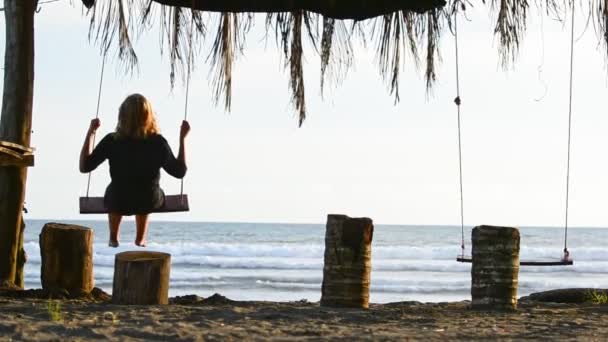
136,118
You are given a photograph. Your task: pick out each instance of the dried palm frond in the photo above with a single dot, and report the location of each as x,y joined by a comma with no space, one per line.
288,33
181,31
402,31
222,58
433,32
336,51
599,10
391,30
178,38
510,27
296,67
229,42
329,27
111,18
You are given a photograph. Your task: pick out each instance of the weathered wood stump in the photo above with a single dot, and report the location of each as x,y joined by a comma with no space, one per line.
141,278
66,251
495,269
347,269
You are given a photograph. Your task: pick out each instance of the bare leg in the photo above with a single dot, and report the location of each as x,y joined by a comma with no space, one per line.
141,222
114,223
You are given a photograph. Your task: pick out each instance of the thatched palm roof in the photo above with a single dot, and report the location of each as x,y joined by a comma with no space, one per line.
395,28
336,9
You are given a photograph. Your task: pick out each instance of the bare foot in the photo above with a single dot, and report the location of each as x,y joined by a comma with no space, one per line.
140,244
113,244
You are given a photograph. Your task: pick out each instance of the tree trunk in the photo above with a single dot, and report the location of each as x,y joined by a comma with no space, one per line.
495,268
66,253
15,125
141,278
348,259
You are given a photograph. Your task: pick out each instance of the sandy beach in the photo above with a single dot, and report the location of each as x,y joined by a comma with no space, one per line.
193,318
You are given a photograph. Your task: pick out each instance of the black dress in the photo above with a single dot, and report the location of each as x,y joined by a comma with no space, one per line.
135,171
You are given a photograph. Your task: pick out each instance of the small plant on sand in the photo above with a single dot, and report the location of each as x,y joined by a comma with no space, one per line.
54,310
111,317
597,297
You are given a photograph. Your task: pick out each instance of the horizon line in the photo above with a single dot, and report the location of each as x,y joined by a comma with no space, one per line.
323,223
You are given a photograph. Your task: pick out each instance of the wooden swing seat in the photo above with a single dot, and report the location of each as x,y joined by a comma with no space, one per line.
173,204
548,262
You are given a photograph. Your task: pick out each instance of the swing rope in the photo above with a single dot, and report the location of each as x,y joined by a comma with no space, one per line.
103,66
458,102
566,252
188,76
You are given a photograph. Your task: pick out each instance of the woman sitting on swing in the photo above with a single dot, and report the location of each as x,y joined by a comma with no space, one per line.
136,152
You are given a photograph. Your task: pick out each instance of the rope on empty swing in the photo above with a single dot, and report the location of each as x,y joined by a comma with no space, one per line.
566,252
103,66
458,102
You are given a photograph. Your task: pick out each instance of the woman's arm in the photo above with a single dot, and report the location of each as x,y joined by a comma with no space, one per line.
85,152
183,132
176,167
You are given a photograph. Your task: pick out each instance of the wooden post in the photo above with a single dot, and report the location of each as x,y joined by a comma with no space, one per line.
15,124
495,269
141,278
67,259
347,269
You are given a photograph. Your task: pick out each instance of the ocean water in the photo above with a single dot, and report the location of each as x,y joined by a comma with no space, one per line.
284,262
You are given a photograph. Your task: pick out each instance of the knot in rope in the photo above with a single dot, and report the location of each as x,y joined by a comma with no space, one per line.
566,256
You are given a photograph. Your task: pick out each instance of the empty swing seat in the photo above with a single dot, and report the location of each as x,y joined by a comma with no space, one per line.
546,262
173,204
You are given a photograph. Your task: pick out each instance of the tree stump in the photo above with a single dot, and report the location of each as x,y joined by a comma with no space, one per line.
495,269
347,269
67,259
141,278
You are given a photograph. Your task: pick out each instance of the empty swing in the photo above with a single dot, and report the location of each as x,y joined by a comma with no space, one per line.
172,203
565,260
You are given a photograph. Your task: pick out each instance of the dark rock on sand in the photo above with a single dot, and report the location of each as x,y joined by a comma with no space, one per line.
217,299
186,300
578,295
96,295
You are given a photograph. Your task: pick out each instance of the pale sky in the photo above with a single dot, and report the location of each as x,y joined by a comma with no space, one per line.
357,153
